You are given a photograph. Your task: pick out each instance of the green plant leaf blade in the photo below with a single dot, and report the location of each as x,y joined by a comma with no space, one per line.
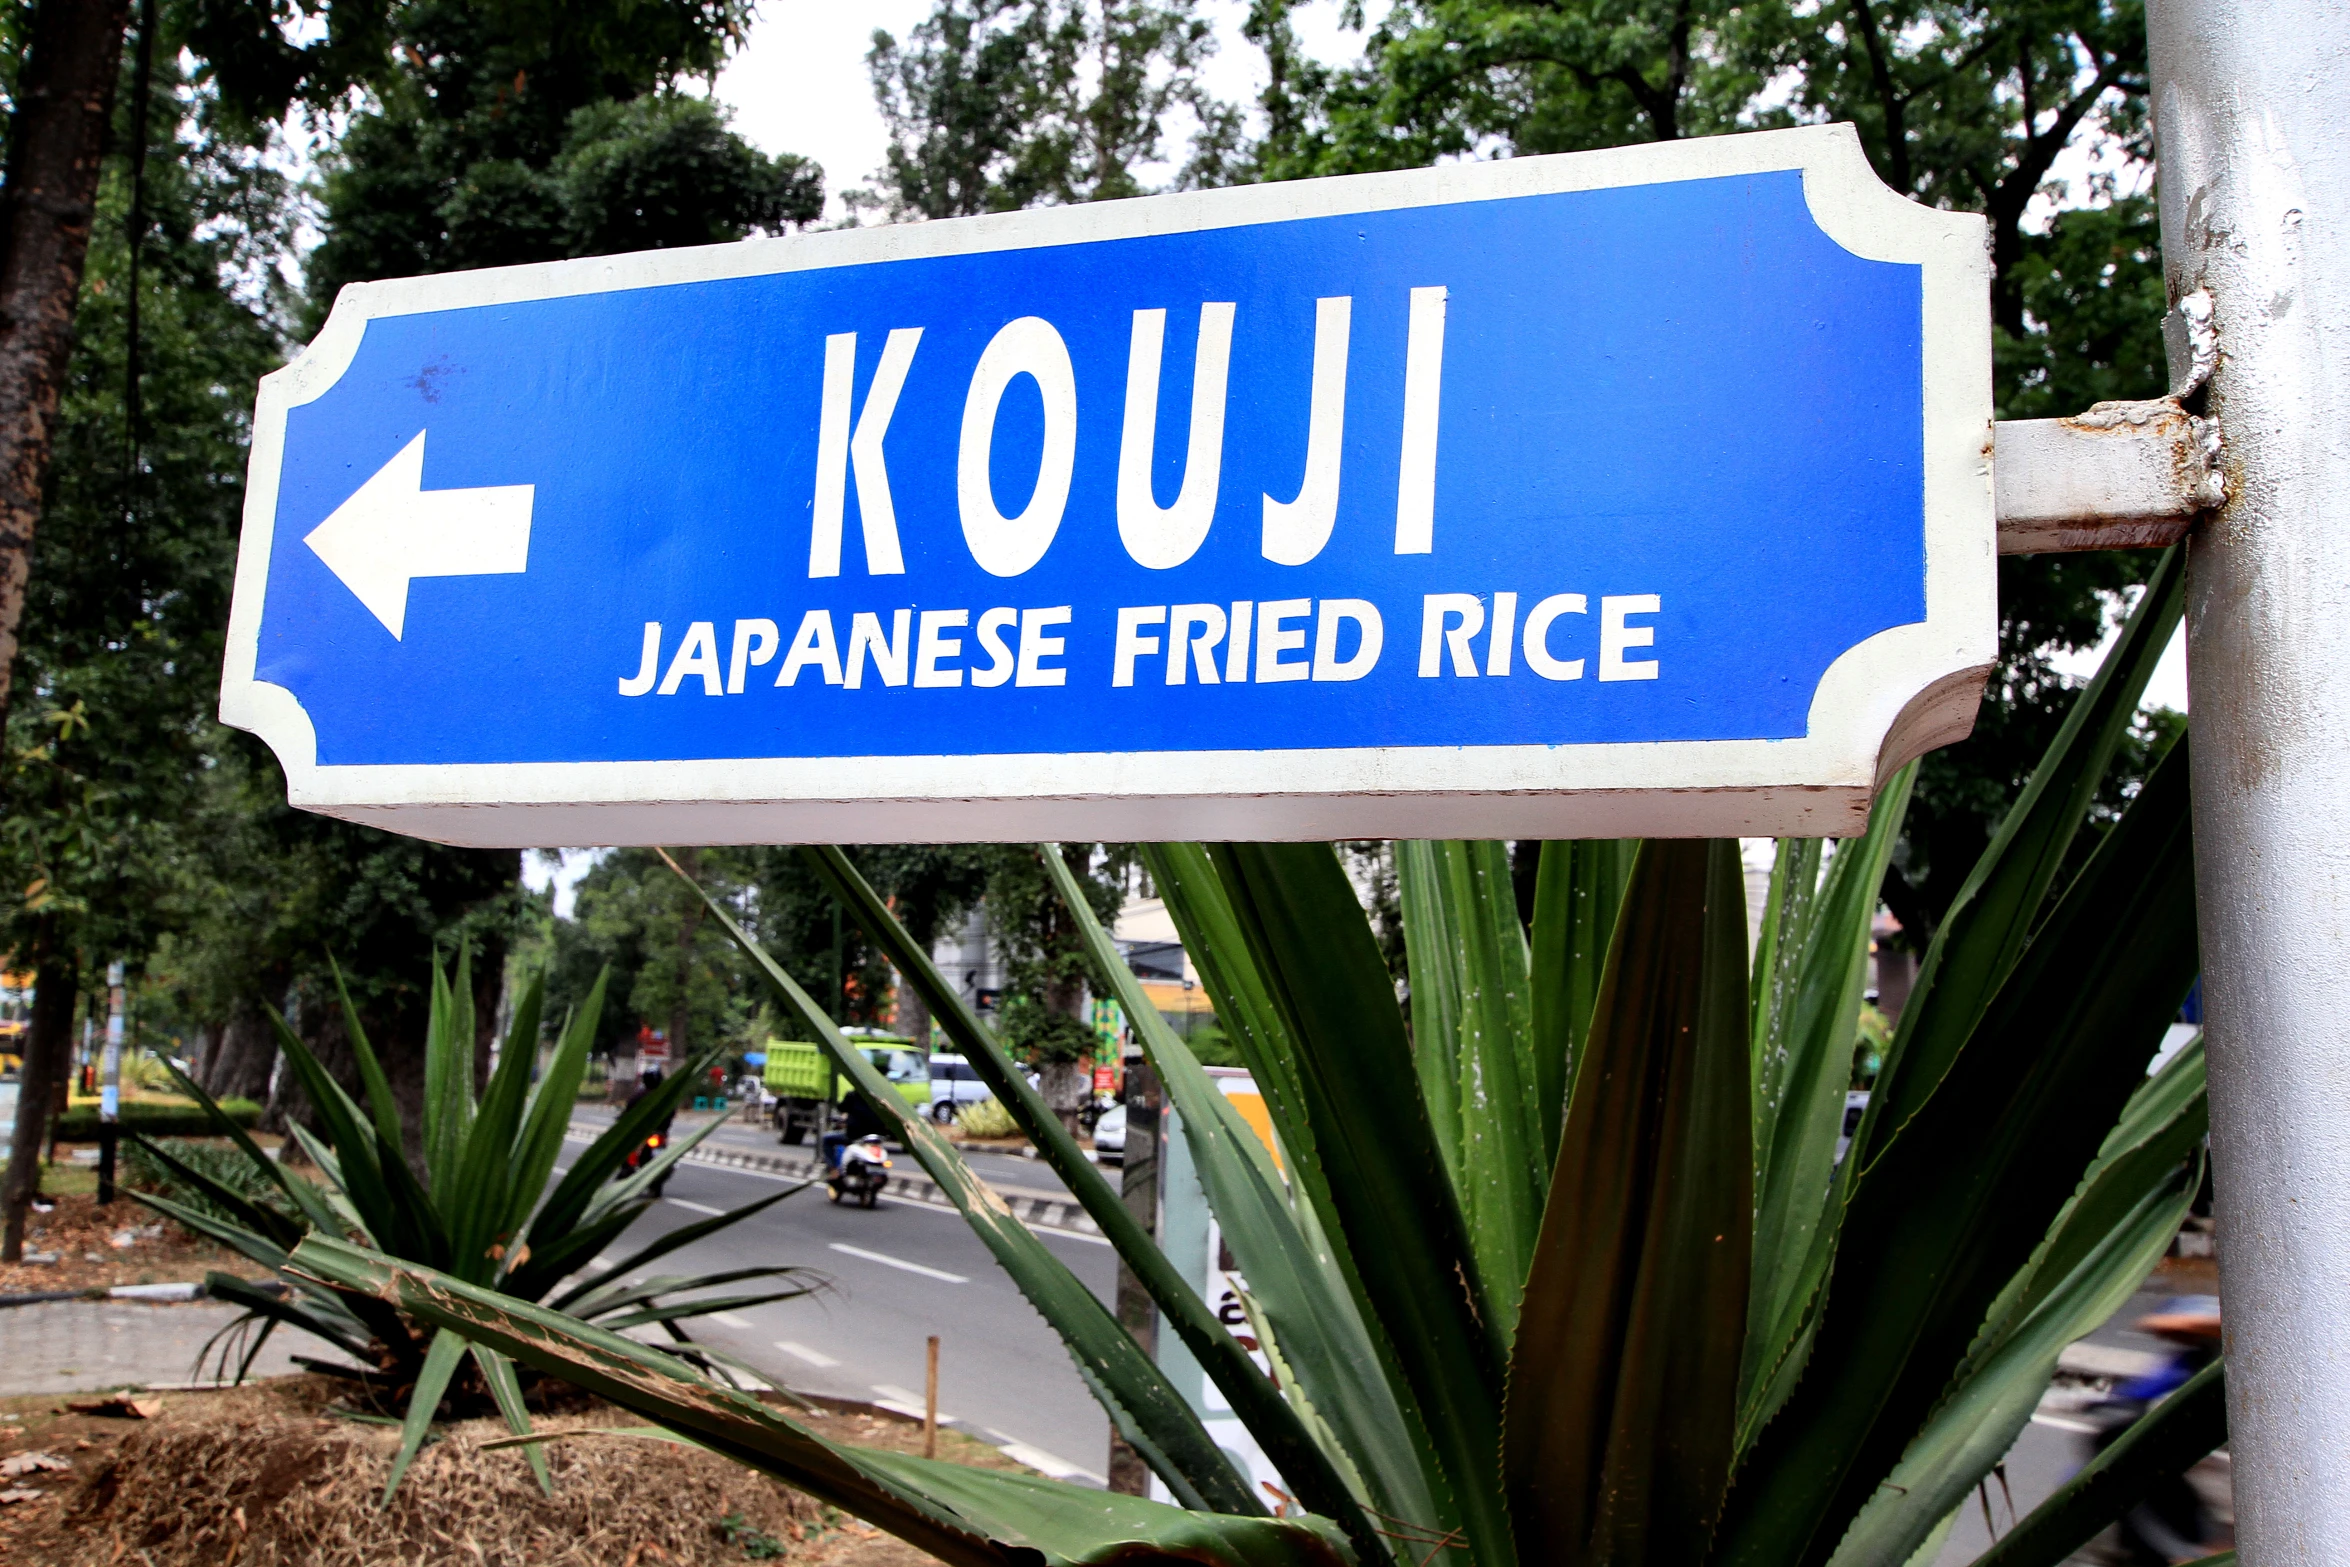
1342,1354
440,1364
1578,888
2100,1249
551,1104
2000,903
1471,1038
506,1391
2165,1441
1318,1320
1818,954
1941,1219
1385,1179
970,1518
1617,1441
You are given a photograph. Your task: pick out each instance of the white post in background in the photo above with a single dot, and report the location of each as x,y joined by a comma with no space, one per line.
110,1064
2252,115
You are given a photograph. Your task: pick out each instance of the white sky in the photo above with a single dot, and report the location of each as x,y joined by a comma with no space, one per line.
799,84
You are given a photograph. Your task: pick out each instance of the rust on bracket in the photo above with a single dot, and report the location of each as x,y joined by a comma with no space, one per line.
2121,476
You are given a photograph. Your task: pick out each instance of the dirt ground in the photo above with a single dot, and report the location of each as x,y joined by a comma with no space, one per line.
287,1472
124,1242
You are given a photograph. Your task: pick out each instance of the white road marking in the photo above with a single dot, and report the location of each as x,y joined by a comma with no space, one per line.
693,1207
1043,1462
904,1401
898,1262
802,1352
729,1319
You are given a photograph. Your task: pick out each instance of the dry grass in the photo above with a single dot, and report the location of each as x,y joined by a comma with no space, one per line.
270,1476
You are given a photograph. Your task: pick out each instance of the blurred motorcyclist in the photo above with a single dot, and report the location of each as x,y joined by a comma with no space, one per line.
658,1138
2171,1524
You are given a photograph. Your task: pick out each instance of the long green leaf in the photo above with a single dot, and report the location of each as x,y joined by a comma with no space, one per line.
2164,1442
1252,1396
281,1231
1622,1399
1140,1400
377,1087
2100,1250
1344,1356
361,1167
2000,903
1472,1038
551,1105
1244,1191
1578,888
1802,1068
1194,894
487,1160
683,1235
440,1364
1939,1222
1386,1181
966,1517
448,1074
300,1193
506,1392
1102,1202
563,1211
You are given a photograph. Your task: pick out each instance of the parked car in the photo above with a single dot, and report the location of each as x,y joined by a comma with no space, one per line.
953,1084
1109,1136
1856,1104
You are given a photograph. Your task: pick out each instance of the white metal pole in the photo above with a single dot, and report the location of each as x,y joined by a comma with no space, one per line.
2252,114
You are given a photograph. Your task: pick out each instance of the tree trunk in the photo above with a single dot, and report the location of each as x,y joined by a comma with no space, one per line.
48,1058
56,142
396,1028
913,1014
489,986
245,1056
688,930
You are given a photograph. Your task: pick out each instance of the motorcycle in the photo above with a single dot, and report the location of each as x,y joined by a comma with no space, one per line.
645,1153
857,1171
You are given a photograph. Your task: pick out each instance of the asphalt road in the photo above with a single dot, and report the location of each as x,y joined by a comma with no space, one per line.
895,1275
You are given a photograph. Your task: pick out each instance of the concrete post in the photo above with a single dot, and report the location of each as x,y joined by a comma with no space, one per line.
2252,112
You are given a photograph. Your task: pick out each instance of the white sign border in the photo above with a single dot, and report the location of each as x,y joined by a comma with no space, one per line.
1898,694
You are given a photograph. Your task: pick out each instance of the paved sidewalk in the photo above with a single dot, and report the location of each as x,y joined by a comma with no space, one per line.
78,1346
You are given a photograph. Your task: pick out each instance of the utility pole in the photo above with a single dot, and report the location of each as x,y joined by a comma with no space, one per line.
2252,111
1138,1186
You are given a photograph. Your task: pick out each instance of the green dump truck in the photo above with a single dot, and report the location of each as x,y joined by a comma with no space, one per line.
800,1077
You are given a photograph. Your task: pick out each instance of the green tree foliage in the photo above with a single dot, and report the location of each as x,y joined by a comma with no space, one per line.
108,743
1963,105
668,965
994,105
516,131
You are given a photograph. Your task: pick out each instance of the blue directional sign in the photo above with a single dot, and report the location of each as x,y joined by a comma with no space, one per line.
1628,491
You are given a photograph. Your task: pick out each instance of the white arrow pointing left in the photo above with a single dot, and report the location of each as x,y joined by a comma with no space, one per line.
393,529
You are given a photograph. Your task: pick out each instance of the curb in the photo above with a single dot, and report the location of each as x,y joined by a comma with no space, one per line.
147,1292
1037,1209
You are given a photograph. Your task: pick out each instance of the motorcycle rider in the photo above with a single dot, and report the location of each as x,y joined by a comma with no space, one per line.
2172,1524
857,1120
649,1080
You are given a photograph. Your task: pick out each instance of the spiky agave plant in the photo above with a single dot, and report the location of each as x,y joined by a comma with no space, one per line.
1567,1268
484,1208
